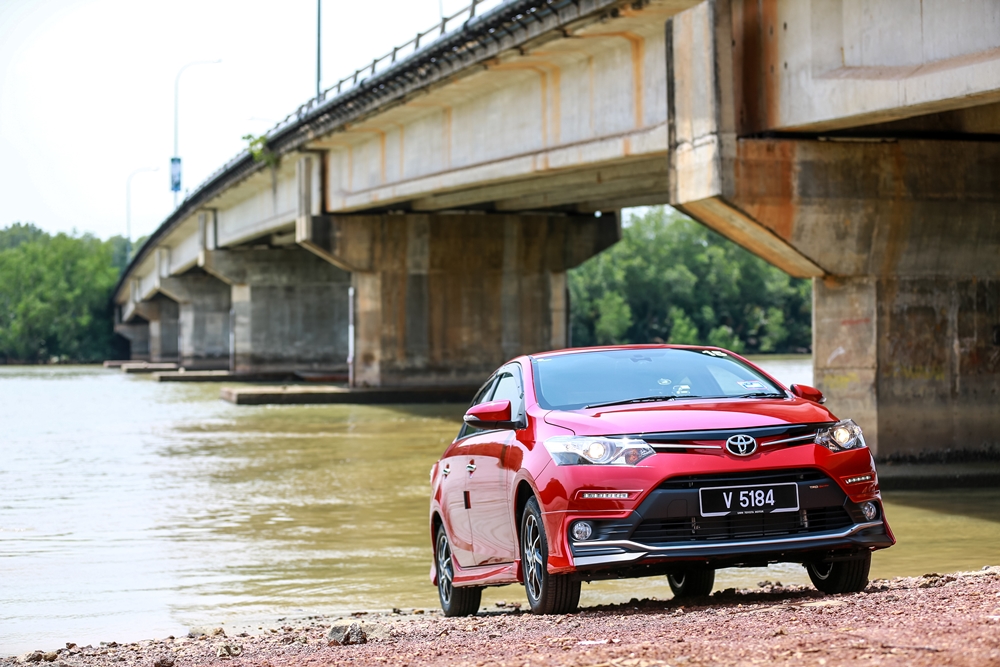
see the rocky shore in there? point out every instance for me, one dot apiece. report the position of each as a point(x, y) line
point(931, 620)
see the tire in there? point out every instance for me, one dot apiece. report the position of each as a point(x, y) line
point(547, 593)
point(455, 601)
point(691, 583)
point(842, 576)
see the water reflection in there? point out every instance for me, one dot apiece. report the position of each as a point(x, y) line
point(132, 509)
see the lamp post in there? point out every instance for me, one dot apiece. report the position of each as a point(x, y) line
point(318, 32)
point(175, 161)
point(128, 207)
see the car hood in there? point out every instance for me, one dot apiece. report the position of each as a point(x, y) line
point(694, 415)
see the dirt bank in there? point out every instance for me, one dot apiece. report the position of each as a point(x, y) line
point(931, 620)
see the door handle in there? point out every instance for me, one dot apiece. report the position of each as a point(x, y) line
point(471, 467)
point(446, 470)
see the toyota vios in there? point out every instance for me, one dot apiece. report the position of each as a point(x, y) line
point(636, 461)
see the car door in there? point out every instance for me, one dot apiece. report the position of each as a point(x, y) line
point(454, 487)
point(490, 507)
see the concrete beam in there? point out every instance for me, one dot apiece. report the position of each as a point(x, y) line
point(822, 65)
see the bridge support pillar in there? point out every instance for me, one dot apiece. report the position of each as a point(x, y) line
point(901, 237)
point(444, 299)
point(289, 309)
point(162, 314)
point(203, 319)
point(902, 240)
point(137, 334)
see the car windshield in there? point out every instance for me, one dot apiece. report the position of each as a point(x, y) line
point(605, 377)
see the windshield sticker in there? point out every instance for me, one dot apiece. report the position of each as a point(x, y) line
point(715, 353)
point(752, 384)
point(663, 381)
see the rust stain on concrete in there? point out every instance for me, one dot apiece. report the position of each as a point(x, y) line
point(765, 183)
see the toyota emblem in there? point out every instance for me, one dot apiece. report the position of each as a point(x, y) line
point(741, 445)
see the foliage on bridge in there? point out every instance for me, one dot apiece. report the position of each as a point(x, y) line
point(673, 280)
point(55, 295)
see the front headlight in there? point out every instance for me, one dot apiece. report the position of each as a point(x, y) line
point(845, 434)
point(581, 450)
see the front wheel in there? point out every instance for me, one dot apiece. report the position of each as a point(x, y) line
point(842, 576)
point(691, 583)
point(462, 601)
point(547, 593)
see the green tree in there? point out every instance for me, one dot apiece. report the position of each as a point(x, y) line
point(55, 295)
point(683, 283)
point(613, 319)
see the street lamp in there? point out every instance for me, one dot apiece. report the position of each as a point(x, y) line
point(128, 208)
point(319, 27)
point(175, 161)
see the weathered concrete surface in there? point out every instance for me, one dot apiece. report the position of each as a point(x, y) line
point(905, 238)
point(289, 308)
point(900, 231)
point(445, 299)
point(137, 334)
point(163, 316)
point(309, 394)
point(819, 65)
point(203, 319)
point(144, 368)
point(925, 476)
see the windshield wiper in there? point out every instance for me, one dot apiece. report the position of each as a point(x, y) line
point(645, 399)
point(760, 394)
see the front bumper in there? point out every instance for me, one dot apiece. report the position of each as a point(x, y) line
point(668, 526)
point(860, 536)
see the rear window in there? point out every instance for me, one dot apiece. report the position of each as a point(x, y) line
point(574, 381)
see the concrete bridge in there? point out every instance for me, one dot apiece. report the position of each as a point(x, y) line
point(417, 222)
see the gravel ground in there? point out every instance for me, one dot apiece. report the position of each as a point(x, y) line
point(931, 620)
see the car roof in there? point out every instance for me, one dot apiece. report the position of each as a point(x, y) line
point(602, 348)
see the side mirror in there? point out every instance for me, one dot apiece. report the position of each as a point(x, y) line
point(808, 393)
point(494, 414)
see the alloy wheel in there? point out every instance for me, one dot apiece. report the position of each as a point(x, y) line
point(534, 564)
point(444, 568)
point(822, 571)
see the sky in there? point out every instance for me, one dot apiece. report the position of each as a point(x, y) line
point(87, 93)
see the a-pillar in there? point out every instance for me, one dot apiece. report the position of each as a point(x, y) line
point(444, 299)
point(203, 318)
point(901, 237)
point(289, 309)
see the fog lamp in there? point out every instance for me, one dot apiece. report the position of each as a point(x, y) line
point(581, 531)
point(869, 510)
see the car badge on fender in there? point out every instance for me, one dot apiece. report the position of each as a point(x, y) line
point(741, 445)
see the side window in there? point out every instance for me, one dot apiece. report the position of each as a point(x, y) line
point(484, 395)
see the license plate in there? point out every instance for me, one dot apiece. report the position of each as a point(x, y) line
point(754, 499)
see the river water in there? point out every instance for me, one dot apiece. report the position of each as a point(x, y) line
point(131, 509)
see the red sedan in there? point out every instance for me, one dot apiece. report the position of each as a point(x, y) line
point(647, 460)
